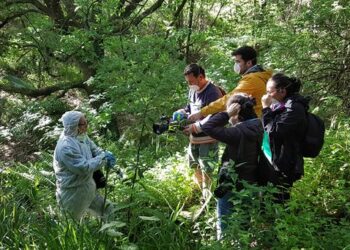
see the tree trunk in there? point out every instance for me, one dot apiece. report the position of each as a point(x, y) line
point(190, 23)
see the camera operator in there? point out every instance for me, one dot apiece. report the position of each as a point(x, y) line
point(202, 148)
point(240, 158)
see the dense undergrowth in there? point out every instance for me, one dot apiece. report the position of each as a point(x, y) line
point(157, 188)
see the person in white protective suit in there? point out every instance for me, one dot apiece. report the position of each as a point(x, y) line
point(76, 157)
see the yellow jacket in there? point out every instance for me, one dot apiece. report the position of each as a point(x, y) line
point(252, 84)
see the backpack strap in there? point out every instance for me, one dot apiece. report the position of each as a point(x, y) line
point(223, 92)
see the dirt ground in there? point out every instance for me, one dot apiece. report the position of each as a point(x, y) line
point(17, 152)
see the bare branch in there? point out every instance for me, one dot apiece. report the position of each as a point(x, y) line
point(130, 8)
point(52, 9)
point(121, 4)
point(13, 2)
point(40, 6)
point(36, 3)
point(41, 91)
point(70, 8)
point(190, 23)
point(217, 15)
point(16, 15)
point(178, 11)
point(147, 12)
point(176, 15)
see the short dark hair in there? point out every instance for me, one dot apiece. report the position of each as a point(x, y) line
point(247, 104)
point(194, 69)
point(247, 53)
point(292, 85)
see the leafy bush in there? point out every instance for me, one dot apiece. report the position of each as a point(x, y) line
point(157, 187)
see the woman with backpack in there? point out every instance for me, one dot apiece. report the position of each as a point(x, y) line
point(284, 121)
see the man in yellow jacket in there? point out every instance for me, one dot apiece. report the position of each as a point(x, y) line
point(253, 82)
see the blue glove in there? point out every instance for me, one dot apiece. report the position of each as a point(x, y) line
point(111, 160)
point(178, 116)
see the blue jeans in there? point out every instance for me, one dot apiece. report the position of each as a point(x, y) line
point(224, 210)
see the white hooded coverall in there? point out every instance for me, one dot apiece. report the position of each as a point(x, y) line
point(74, 162)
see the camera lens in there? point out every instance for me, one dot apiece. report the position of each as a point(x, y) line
point(160, 128)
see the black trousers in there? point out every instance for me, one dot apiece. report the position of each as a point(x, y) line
point(268, 174)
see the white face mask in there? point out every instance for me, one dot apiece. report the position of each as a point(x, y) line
point(194, 87)
point(237, 68)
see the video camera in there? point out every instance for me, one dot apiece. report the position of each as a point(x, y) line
point(169, 124)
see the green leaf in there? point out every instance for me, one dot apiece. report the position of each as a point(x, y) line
point(113, 233)
point(116, 224)
point(149, 218)
point(129, 247)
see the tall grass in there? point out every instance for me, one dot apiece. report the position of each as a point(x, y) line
point(317, 216)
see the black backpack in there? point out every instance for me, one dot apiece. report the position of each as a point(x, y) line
point(314, 136)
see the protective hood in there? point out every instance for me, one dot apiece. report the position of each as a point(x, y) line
point(254, 69)
point(70, 122)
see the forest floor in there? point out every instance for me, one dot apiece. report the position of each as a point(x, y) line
point(14, 151)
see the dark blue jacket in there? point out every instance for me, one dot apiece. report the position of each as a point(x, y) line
point(243, 141)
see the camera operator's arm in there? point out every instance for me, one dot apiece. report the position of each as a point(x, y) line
point(232, 112)
point(215, 127)
point(196, 127)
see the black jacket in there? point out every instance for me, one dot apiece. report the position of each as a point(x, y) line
point(243, 141)
point(286, 128)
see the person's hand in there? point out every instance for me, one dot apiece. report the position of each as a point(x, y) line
point(266, 101)
point(233, 109)
point(195, 117)
point(111, 160)
point(179, 115)
point(187, 130)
